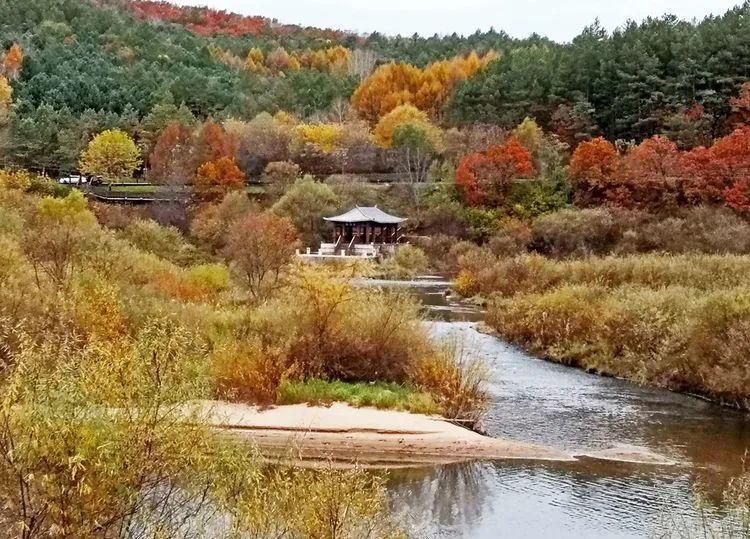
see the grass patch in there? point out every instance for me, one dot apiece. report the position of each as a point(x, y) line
point(381, 395)
point(144, 189)
point(255, 189)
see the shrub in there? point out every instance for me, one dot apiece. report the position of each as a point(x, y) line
point(19, 180)
point(575, 232)
point(164, 241)
point(673, 321)
point(457, 382)
point(407, 262)
point(513, 238)
point(248, 371)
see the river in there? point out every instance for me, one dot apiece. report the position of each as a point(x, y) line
point(537, 401)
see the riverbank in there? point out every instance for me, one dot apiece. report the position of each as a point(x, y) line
point(677, 322)
point(383, 438)
point(365, 435)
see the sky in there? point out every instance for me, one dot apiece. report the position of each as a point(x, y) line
point(560, 20)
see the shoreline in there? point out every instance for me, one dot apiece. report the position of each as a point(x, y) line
point(381, 438)
point(485, 329)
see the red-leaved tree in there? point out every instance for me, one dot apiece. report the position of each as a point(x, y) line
point(594, 166)
point(711, 171)
point(486, 177)
point(650, 176)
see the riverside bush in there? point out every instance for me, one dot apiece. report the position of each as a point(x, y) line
point(677, 337)
point(534, 273)
point(703, 229)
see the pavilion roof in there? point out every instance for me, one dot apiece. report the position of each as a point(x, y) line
point(366, 214)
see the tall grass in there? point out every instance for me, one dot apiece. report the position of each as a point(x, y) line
point(534, 273)
point(680, 322)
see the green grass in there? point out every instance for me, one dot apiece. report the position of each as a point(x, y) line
point(145, 189)
point(255, 189)
point(382, 395)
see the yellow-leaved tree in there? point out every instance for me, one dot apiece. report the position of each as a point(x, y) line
point(427, 89)
point(111, 154)
point(404, 114)
point(324, 136)
point(6, 98)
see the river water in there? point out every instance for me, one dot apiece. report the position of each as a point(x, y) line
point(556, 406)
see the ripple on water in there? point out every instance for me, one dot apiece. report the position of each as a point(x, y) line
point(552, 405)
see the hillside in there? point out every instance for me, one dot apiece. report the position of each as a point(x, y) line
point(108, 64)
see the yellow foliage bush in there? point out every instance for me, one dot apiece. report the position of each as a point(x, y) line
point(19, 180)
point(326, 137)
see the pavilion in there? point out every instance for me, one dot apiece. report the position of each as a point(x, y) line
point(363, 231)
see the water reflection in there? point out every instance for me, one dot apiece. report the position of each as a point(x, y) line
point(552, 405)
point(486, 500)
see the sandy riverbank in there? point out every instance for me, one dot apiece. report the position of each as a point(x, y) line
point(366, 435)
point(373, 437)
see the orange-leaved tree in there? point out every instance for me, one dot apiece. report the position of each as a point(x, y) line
point(427, 89)
point(217, 178)
point(213, 143)
point(593, 166)
point(170, 160)
point(259, 246)
point(651, 176)
point(486, 177)
point(12, 61)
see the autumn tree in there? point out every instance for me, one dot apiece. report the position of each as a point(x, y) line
point(58, 238)
point(211, 224)
point(737, 196)
point(12, 62)
point(262, 140)
point(259, 246)
point(395, 84)
point(112, 155)
point(170, 160)
point(305, 205)
point(486, 177)
point(403, 114)
point(593, 165)
point(215, 179)
point(711, 171)
point(6, 99)
point(213, 143)
point(156, 121)
point(650, 177)
point(278, 176)
point(323, 136)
